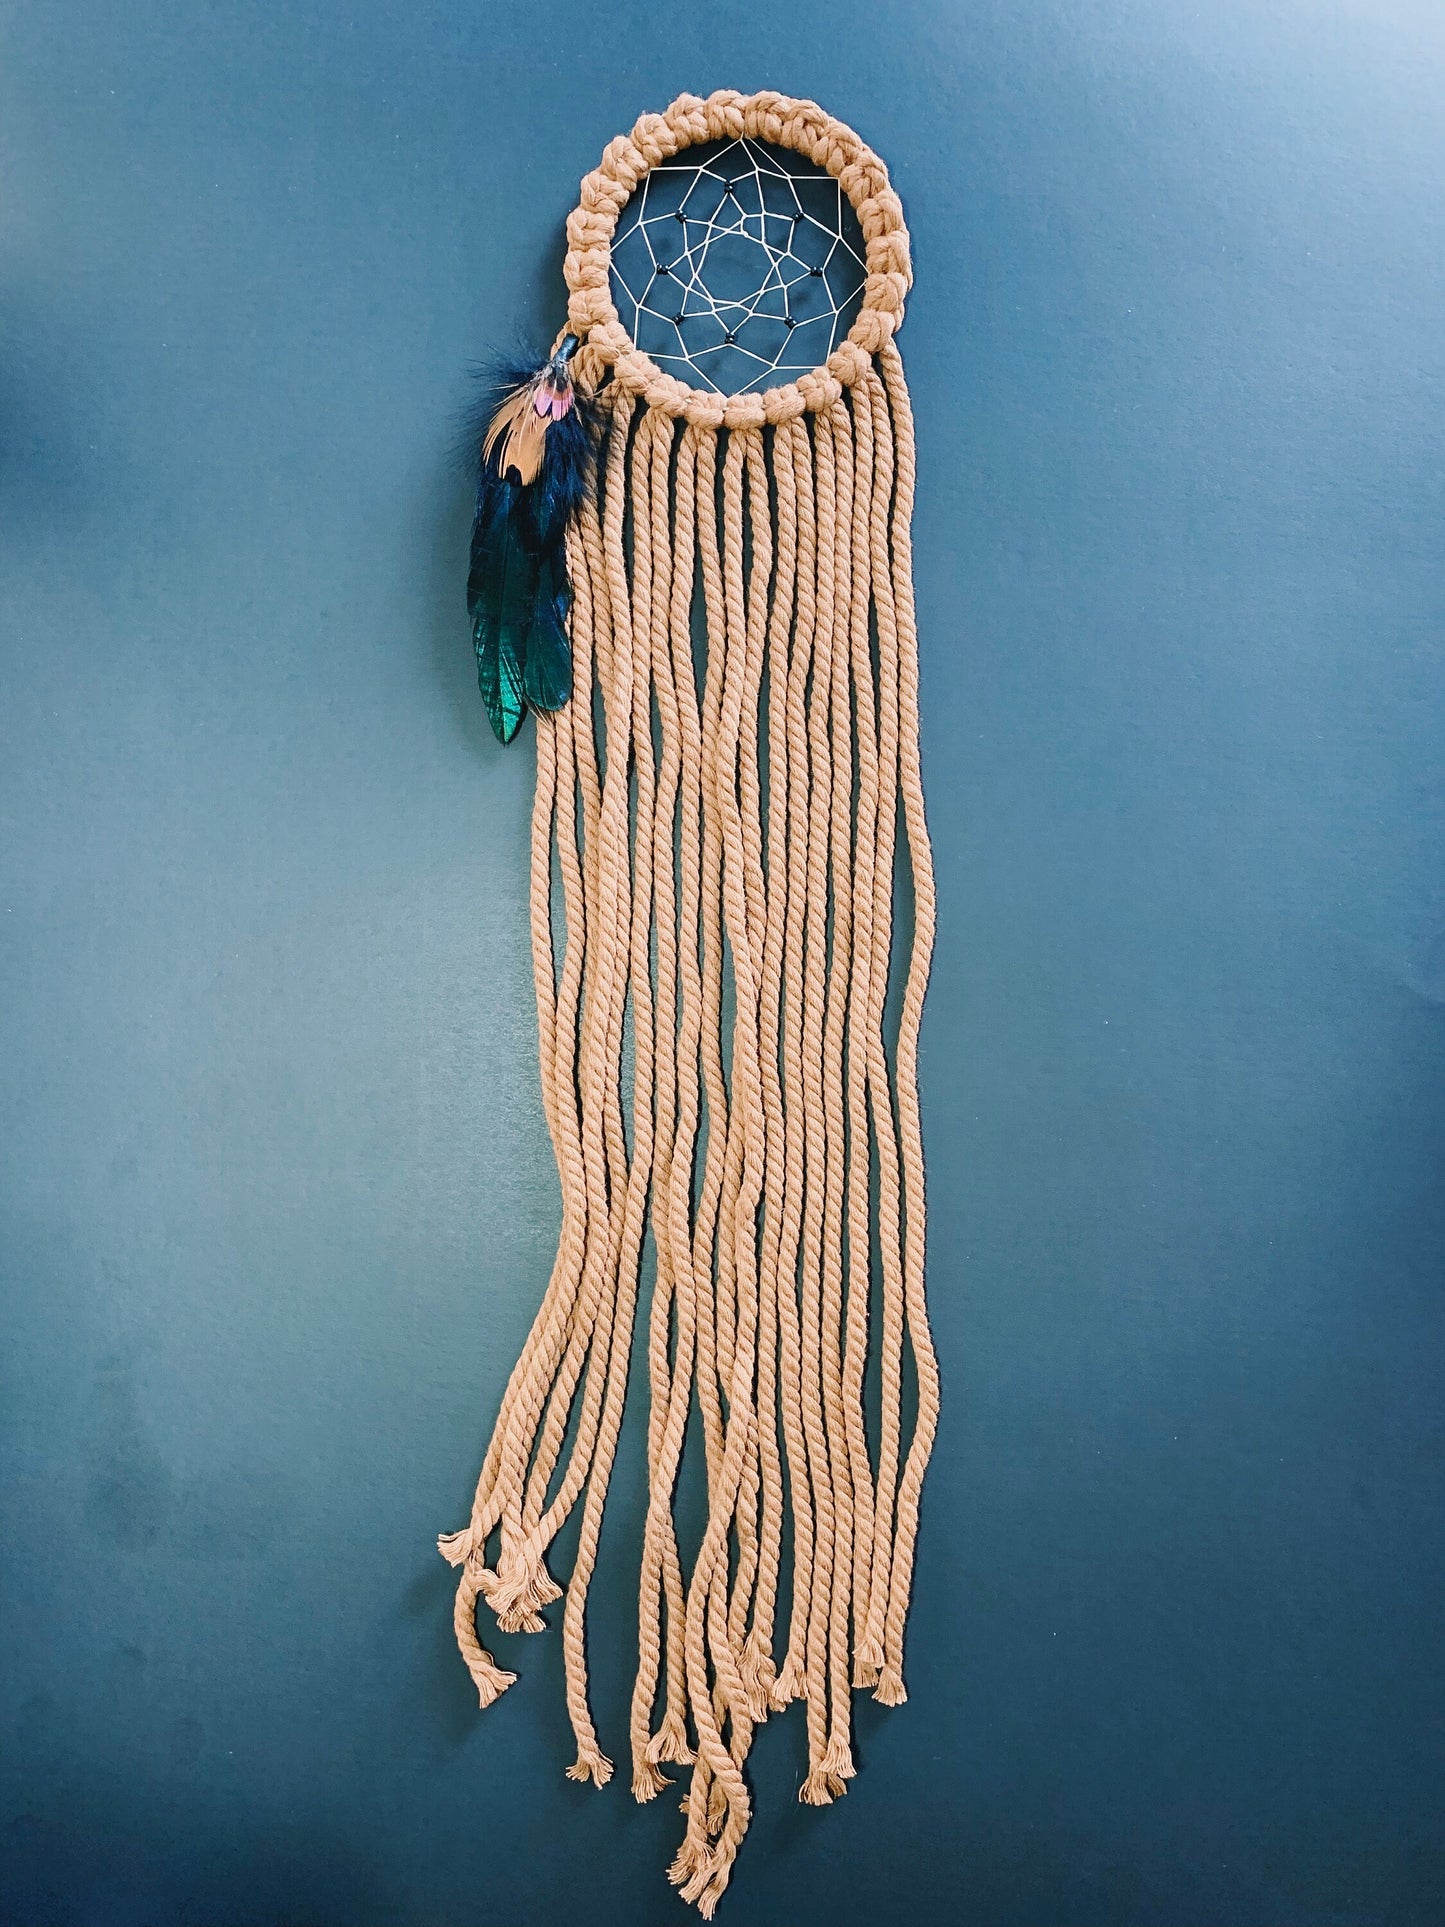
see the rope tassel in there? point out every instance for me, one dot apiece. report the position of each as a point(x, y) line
point(715, 843)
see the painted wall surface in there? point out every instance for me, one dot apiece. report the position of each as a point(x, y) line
point(278, 1201)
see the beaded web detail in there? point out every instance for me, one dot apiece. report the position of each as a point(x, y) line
point(740, 265)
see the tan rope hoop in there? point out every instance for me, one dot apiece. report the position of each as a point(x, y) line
point(800, 125)
point(712, 884)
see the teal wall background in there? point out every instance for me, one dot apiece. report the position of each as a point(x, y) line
point(277, 1197)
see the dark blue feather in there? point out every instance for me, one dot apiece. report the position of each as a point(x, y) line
point(518, 595)
point(565, 477)
point(548, 669)
point(502, 590)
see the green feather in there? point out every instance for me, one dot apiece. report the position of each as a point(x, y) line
point(502, 587)
point(499, 677)
point(549, 653)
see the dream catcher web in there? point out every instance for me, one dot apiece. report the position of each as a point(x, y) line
point(738, 265)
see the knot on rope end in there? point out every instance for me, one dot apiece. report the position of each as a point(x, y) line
point(890, 1690)
point(591, 1765)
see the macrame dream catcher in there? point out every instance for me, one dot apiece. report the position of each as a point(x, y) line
point(691, 561)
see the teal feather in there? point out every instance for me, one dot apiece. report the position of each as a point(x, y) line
point(502, 589)
point(548, 668)
point(534, 467)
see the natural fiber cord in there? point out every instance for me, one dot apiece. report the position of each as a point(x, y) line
point(713, 877)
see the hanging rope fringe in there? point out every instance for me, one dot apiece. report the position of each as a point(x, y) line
point(713, 876)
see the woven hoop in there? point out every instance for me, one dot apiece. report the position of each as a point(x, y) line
point(803, 127)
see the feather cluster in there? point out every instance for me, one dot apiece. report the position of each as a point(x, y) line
point(534, 465)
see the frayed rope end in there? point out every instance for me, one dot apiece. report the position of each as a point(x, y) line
point(647, 1782)
point(490, 1680)
point(890, 1690)
point(518, 1587)
point(669, 1742)
point(691, 1857)
point(517, 1619)
point(822, 1788)
point(708, 1884)
point(759, 1676)
point(791, 1684)
point(592, 1766)
point(870, 1653)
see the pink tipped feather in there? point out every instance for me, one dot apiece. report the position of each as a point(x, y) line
point(522, 421)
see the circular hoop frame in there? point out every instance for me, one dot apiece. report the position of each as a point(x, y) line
point(803, 127)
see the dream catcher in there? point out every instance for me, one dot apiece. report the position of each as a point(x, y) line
point(691, 561)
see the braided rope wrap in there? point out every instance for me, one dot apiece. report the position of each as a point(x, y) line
point(803, 127)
